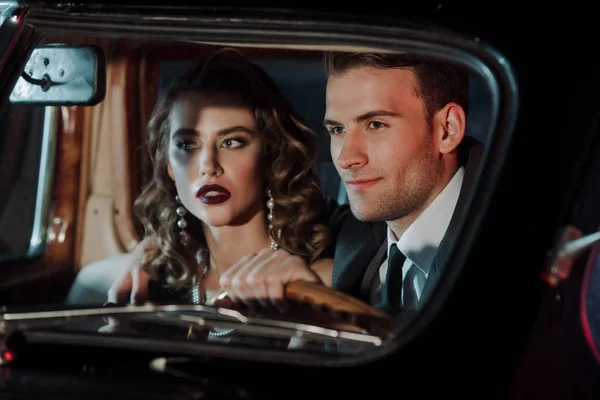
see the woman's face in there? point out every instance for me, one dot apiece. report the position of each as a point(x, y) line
point(215, 156)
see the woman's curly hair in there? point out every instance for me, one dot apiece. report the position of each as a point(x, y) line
point(289, 156)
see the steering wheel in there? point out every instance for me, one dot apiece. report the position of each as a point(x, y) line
point(328, 306)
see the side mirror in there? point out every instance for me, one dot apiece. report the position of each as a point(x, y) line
point(58, 75)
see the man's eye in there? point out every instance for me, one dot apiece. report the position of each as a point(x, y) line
point(376, 125)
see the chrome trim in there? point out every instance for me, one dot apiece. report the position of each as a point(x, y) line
point(7, 9)
point(235, 319)
point(45, 179)
point(128, 309)
point(574, 247)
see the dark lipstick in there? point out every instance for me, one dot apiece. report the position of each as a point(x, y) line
point(213, 194)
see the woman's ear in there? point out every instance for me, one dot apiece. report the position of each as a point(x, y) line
point(170, 172)
point(451, 124)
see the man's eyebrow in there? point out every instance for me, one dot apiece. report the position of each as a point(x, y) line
point(365, 116)
point(222, 132)
point(376, 113)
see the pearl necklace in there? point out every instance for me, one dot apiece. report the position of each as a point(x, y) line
point(199, 297)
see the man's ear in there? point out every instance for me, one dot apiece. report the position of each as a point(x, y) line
point(450, 124)
point(170, 172)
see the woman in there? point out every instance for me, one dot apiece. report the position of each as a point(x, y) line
point(233, 173)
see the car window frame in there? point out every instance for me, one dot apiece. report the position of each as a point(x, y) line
point(296, 31)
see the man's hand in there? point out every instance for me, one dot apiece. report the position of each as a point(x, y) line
point(262, 277)
point(132, 285)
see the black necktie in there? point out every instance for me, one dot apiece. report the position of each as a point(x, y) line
point(392, 289)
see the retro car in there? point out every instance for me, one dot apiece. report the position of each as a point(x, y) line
point(515, 312)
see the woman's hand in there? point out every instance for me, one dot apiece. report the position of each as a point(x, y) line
point(262, 277)
point(132, 285)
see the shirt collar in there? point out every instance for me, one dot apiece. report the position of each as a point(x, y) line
point(420, 241)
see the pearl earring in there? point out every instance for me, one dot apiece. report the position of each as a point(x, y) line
point(182, 223)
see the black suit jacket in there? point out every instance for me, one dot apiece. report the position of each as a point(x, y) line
point(361, 247)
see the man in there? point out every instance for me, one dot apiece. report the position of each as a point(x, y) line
point(397, 126)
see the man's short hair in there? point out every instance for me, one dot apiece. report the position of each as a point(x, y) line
point(440, 82)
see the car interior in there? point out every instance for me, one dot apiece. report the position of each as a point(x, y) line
point(114, 134)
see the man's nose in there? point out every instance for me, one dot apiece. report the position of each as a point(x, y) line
point(353, 151)
point(209, 162)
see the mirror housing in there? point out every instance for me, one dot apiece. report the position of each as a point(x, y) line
point(62, 75)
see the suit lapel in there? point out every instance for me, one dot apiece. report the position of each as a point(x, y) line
point(366, 286)
point(357, 244)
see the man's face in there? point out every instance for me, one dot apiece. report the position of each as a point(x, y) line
point(381, 142)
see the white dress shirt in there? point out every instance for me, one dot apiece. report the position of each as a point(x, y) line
point(420, 241)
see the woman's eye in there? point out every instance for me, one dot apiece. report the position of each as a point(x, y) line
point(232, 143)
point(336, 130)
point(184, 144)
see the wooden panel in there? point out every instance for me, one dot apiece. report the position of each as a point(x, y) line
point(123, 103)
point(88, 120)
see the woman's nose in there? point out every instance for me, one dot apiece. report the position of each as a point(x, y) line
point(209, 163)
